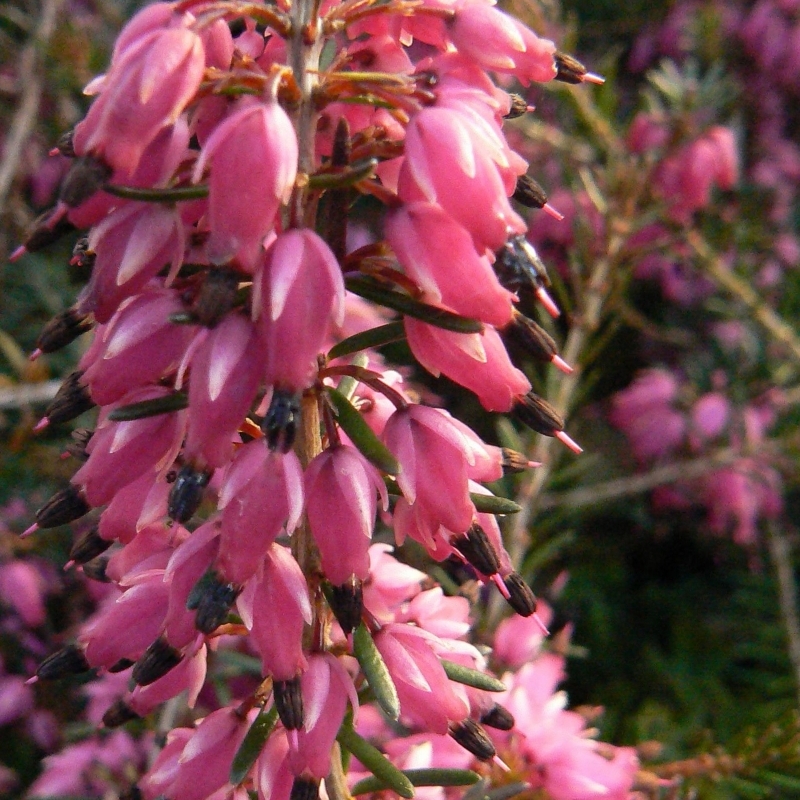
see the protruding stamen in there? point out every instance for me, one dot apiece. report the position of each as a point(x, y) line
point(568, 441)
point(553, 212)
point(549, 304)
point(559, 363)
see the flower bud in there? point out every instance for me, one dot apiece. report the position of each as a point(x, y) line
point(71, 400)
point(118, 714)
point(476, 548)
point(88, 546)
point(156, 662)
point(69, 660)
point(63, 507)
point(520, 597)
point(473, 738)
point(63, 329)
point(289, 702)
point(498, 717)
point(187, 493)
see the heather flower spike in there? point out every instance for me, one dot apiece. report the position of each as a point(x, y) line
point(236, 473)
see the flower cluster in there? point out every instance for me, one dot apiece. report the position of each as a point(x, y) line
point(247, 433)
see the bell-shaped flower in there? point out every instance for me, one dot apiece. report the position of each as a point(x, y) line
point(274, 606)
point(225, 376)
point(121, 452)
point(326, 687)
point(133, 244)
point(204, 764)
point(139, 346)
point(134, 507)
point(272, 777)
point(341, 501)
point(427, 698)
point(433, 464)
point(302, 292)
point(149, 86)
point(447, 163)
point(261, 492)
point(498, 42)
point(477, 361)
point(439, 256)
point(252, 156)
point(390, 583)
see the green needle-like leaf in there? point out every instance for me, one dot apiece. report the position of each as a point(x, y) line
point(421, 777)
point(375, 670)
point(370, 290)
point(176, 401)
point(374, 337)
point(362, 436)
point(375, 762)
point(472, 677)
point(491, 504)
point(252, 745)
point(158, 195)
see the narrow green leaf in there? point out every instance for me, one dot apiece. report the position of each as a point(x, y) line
point(176, 401)
point(358, 171)
point(375, 670)
point(747, 789)
point(362, 436)
point(375, 762)
point(421, 777)
point(786, 783)
point(370, 290)
point(252, 745)
point(158, 195)
point(491, 504)
point(478, 791)
point(472, 677)
point(374, 337)
point(507, 792)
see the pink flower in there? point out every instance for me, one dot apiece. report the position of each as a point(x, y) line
point(476, 361)
point(23, 587)
point(252, 155)
point(438, 254)
point(341, 489)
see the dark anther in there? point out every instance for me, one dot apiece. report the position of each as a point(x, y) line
point(80, 440)
point(518, 265)
point(476, 548)
point(96, 569)
point(473, 738)
point(63, 507)
point(519, 107)
point(44, 232)
point(498, 717)
point(83, 257)
point(63, 329)
point(65, 144)
point(71, 400)
point(520, 598)
point(69, 660)
point(282, 421)
point(532, 338)
point(217, 296)
point(304, 789)
point(514, 462)
point(538, 415)
point(86, 176)
point(212, 597)
point(88, 546)
point(568, 69)
point(118, 714)
point(347, 604)
point(529, 192)
point(121, 665)
point(186, 493)
point(155, 662)
point(289, 702)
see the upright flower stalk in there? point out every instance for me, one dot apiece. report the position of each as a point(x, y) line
point(249, 438)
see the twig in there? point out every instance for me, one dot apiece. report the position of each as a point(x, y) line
point(637, 484)
point(32, 80)
point(27, 394)
point(774, 324)
point(781, 552)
